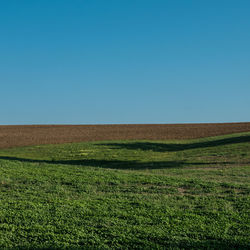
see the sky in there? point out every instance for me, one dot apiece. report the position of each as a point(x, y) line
point(126, 61)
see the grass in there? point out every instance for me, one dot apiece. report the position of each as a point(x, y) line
point(127, 194)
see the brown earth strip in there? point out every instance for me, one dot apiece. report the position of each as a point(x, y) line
point(24, 135)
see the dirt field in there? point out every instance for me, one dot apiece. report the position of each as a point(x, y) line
point(11, 136)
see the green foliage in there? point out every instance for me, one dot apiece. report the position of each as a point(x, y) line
point(127, 194)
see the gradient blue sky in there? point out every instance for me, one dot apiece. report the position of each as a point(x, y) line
point(131, 61)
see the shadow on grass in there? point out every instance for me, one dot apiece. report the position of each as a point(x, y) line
point(212, 244)
point(221, 244)
point(117, 164)
point(170, 147)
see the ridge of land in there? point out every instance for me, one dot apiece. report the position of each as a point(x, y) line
point(27, 135)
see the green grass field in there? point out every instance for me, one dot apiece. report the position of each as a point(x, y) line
point(127, 194)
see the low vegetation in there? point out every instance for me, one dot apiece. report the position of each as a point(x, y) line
point(127, 194)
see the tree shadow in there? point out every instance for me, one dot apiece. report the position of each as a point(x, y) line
point(170, 147)
point(117, 164)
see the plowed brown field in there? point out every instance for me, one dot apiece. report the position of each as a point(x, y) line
point(23, 135)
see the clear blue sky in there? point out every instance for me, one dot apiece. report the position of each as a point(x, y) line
point(126, 61)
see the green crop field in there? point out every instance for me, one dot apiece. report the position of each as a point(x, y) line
point(127, 194)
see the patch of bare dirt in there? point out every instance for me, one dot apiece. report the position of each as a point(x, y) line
point(24, 135)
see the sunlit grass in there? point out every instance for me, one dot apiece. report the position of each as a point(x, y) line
point(127, 194)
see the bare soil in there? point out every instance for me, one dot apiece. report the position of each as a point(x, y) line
point(24, 135)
